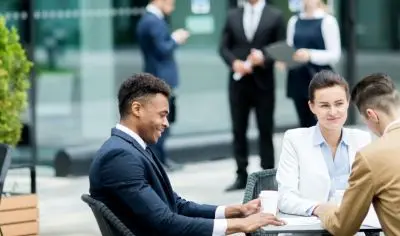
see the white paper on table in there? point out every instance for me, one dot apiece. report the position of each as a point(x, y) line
point(301, 220)
point(372, 219)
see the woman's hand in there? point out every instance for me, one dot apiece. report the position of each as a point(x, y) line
point(302, 55)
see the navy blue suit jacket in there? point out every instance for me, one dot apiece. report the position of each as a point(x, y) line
point(136, 188)
point(157, 47)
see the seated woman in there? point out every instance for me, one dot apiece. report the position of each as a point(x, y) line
point(316, 162)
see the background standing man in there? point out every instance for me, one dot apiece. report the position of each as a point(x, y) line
point(158, 46)
point(251, 80)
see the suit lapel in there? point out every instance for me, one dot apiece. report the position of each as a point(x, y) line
point(261, 25)
point(158, 168)
point(319, 170)
point(319, 156)
point(164, 176)
point(320, 159)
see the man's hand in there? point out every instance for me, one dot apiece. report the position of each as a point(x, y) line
point(256, 221)
point(252, 223)
point(320, 209)
point(180, 36)
point(302, 55)
point(250, 208)
point(240, 67)
point(256, 57)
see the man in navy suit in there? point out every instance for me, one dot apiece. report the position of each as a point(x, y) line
point(157, 46)
point(127, 177)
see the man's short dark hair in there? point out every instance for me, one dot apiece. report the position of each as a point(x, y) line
point(326, 79)
point(375, 91)
point(138, 87)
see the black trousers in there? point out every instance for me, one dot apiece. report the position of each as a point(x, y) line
point(244, 95)
point(306, 117)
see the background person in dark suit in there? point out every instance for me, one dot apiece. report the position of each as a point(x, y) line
point(247, 31)
point(157, 45)
point(127, 177)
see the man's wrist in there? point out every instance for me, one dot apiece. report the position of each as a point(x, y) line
point(234, 211)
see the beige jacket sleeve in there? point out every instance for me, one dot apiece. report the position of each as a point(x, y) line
point(347, 219)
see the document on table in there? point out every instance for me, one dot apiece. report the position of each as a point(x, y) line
point(372, 219)
point(301, 220)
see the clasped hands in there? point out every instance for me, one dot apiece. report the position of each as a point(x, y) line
point(255, 58)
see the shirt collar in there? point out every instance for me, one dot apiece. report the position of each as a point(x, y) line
point(155, 10)
point(134, 135)
point(319, 13)
point(318, 139)
point(259, 6)
point(390, 125)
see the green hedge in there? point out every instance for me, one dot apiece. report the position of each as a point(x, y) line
point(14, 84)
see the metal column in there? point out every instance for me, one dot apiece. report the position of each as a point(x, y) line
point(350, 40)
point(32, 95)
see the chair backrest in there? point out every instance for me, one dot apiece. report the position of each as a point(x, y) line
point(108, 223)
point(256, 182)
point(5, 163)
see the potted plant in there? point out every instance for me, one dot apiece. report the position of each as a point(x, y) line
point(18, 213)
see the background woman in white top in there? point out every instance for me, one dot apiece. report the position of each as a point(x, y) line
point(315, 34)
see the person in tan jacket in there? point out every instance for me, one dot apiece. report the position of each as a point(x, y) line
point(375, 175)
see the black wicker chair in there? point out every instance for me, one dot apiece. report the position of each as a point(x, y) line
point(257, 182)
point(108, 223)
point(5, 163)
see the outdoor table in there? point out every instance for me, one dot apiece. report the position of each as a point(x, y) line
point(309, 229)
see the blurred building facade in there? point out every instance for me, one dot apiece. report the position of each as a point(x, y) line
point(84, 49)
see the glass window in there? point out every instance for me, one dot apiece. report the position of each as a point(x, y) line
point(377, 30)
point(77, 70)
point(85, 49)
point(373, 30)
point(202, 100)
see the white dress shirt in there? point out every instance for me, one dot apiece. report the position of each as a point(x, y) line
point(330, 33)
point(155, 10)
point(220, 223)
point(251, 18)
